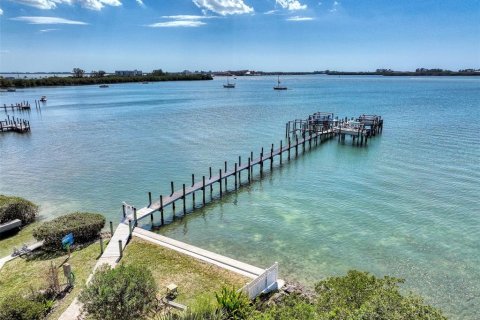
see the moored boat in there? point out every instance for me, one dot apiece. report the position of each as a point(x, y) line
point(229, 85)
point(43, 99)
point(278, 86)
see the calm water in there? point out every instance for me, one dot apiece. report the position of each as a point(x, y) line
point(407, 205)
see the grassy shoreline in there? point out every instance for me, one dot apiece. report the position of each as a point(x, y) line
point(71, 81)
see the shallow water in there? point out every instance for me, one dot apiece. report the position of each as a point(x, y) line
point(407, 205)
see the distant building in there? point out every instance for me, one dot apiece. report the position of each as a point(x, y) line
point(128, 73)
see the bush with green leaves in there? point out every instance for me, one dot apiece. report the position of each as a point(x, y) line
point(360, 295)
point(19, 308)
point(12, 208)
point(126, 292)
point(291, 307)
point(235, 304)
point(84, 226)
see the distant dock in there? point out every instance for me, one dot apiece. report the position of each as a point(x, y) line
point(15, 125)
point(300, 134)
point(22, 106)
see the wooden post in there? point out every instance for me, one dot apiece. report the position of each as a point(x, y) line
point(296, 146)
point(261, 163)
point(248, 169)
point(101, 245)
point(211, 185)
point(161, 209)
point(183, 198)
point(225, 175)
point(235, 176)
point(123, 210)
point(171, 187)
point(220, 181)
point(120, 248)
point(239, 172)
point(149, 199)
point(271, 157)
point(203, 190)
point(111, 228)
point(289, 147)
point(151, 218)
point(193, 179)
point(135, 216)
point(129, 229)
point(193, 199)
point(281, 151)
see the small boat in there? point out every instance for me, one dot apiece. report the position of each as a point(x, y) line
point(229, 85)
point(278, 86)
point(11, 89)
point(103, 86)
point(43, 99)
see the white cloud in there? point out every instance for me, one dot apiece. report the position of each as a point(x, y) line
point(181, 20)
point(52, 4)
point(47, 20)
point(298, 18)
point(187, 17)
point(1, 11)
point(140, 3)
point(291, 4)
point(177, 23)
point(224, 7)
point(47, 30)
point(271, 12)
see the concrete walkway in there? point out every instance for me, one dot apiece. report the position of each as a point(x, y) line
point(224, 262)
point(110, 256)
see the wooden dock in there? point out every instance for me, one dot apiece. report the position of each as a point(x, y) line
point(21, 106)
point(15, 125)
point(300, 134)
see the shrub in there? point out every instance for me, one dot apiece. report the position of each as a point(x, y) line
point(84, 226)
point(12, 208)
point(360, 295)
point(19, 308)
point(291, 307)
point(126, 292)
point(235, 304)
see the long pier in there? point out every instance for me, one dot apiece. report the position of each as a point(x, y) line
point(318, 128)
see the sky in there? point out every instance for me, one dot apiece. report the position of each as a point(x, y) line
point(266, 35)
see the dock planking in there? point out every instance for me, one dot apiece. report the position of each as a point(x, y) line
point(209, 181)
point(318, 128)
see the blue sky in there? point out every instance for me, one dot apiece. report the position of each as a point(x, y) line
point(268, 35)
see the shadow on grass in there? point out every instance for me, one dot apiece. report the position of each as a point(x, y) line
point(49, 254)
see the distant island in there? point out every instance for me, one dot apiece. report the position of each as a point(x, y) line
point(378, 72)
point(78, 77)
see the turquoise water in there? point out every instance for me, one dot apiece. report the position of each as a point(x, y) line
point(407, 205)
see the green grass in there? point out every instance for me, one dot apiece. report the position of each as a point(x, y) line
point(17, 239)
point(19, 275)
point(197, 281)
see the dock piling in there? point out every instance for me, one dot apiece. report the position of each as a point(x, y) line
point(184, 203)
point(161, 210)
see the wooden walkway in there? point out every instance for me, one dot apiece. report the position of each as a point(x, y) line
point(221, 179)
point(15, 125)
point(22, 106)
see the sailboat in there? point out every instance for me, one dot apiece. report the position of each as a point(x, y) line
point(229, 85)
point(278, 86)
